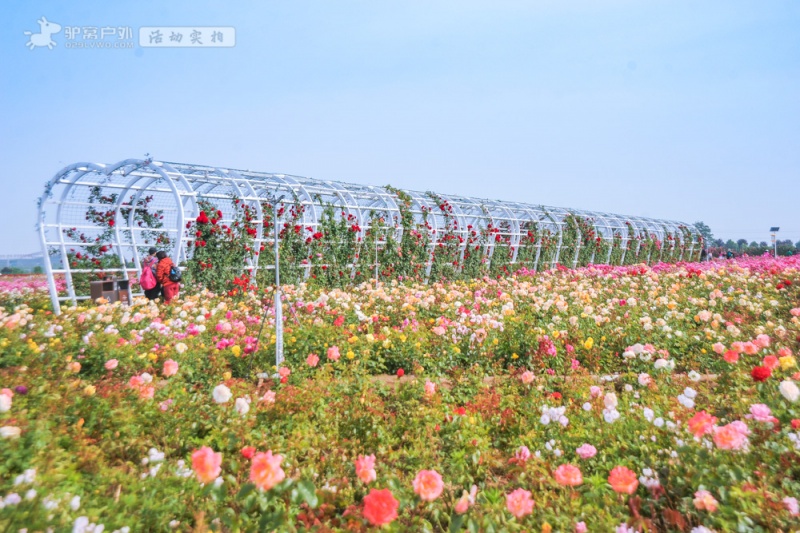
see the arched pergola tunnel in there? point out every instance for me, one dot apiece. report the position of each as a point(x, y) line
point(104, 217)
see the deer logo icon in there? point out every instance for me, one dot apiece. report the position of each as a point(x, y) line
point(43, 38)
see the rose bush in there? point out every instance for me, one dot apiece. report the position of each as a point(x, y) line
point(574, 400)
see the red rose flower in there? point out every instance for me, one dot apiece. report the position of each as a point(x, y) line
point(400, 372)
point(248, 452)
point(761, 373)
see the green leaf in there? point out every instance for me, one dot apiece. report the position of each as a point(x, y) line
point(246, 489)
point(271, 521)
point(456, 521)
point(309, 492)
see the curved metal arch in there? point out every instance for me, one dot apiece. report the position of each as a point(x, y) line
point(186, 184)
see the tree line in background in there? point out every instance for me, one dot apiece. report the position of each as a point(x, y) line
point(742, 246)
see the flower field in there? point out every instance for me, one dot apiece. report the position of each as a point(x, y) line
point(628, 398)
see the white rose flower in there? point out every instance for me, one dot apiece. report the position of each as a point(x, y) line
point(221, 393)
point(10, 432)
point(789, 390)
point(5, 403)
point(242, 406)
point(610, 400)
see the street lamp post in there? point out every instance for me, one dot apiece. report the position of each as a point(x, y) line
point(774, 231)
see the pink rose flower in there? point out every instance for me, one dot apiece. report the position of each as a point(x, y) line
point(586, 451)
point(568, 475)
point(428, 485)
point(760, 413)
point(170, 368)
point(333, 353)
point(762, 341)
point(266, 471)
point(522, 455)
point(730, 437)
point(269, 397)
point(206, 464)
point(365, 468)
point(430, 388)
point(312, 360)
point(111, 364)
point(519, 503)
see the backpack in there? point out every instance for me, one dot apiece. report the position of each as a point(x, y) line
point(147, 280)
point(175, 273)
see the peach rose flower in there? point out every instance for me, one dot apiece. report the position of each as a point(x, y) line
point(206, 464)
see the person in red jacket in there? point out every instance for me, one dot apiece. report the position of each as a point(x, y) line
point(169, 288)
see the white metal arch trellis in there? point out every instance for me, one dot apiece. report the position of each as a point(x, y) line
point(122, 196)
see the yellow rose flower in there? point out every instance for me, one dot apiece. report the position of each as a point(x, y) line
point(588, 343)
point(787, 361)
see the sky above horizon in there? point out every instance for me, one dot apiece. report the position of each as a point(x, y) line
point(669, 109)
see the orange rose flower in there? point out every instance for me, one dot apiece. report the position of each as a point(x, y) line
point(266, 471)
point(701, 423)
point(206, 464)
point(623, 480)
point(380, 507)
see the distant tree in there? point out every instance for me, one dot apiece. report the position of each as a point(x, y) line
point(797, 245)
point(719, 243)
point(37, 269)
point(754, 244)
point(763, 244)
point(730, 245)
point(741, 243)
point(705, 231)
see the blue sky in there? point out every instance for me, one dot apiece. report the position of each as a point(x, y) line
point(681, 110)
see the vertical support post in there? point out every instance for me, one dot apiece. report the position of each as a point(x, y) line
point(278, 304)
